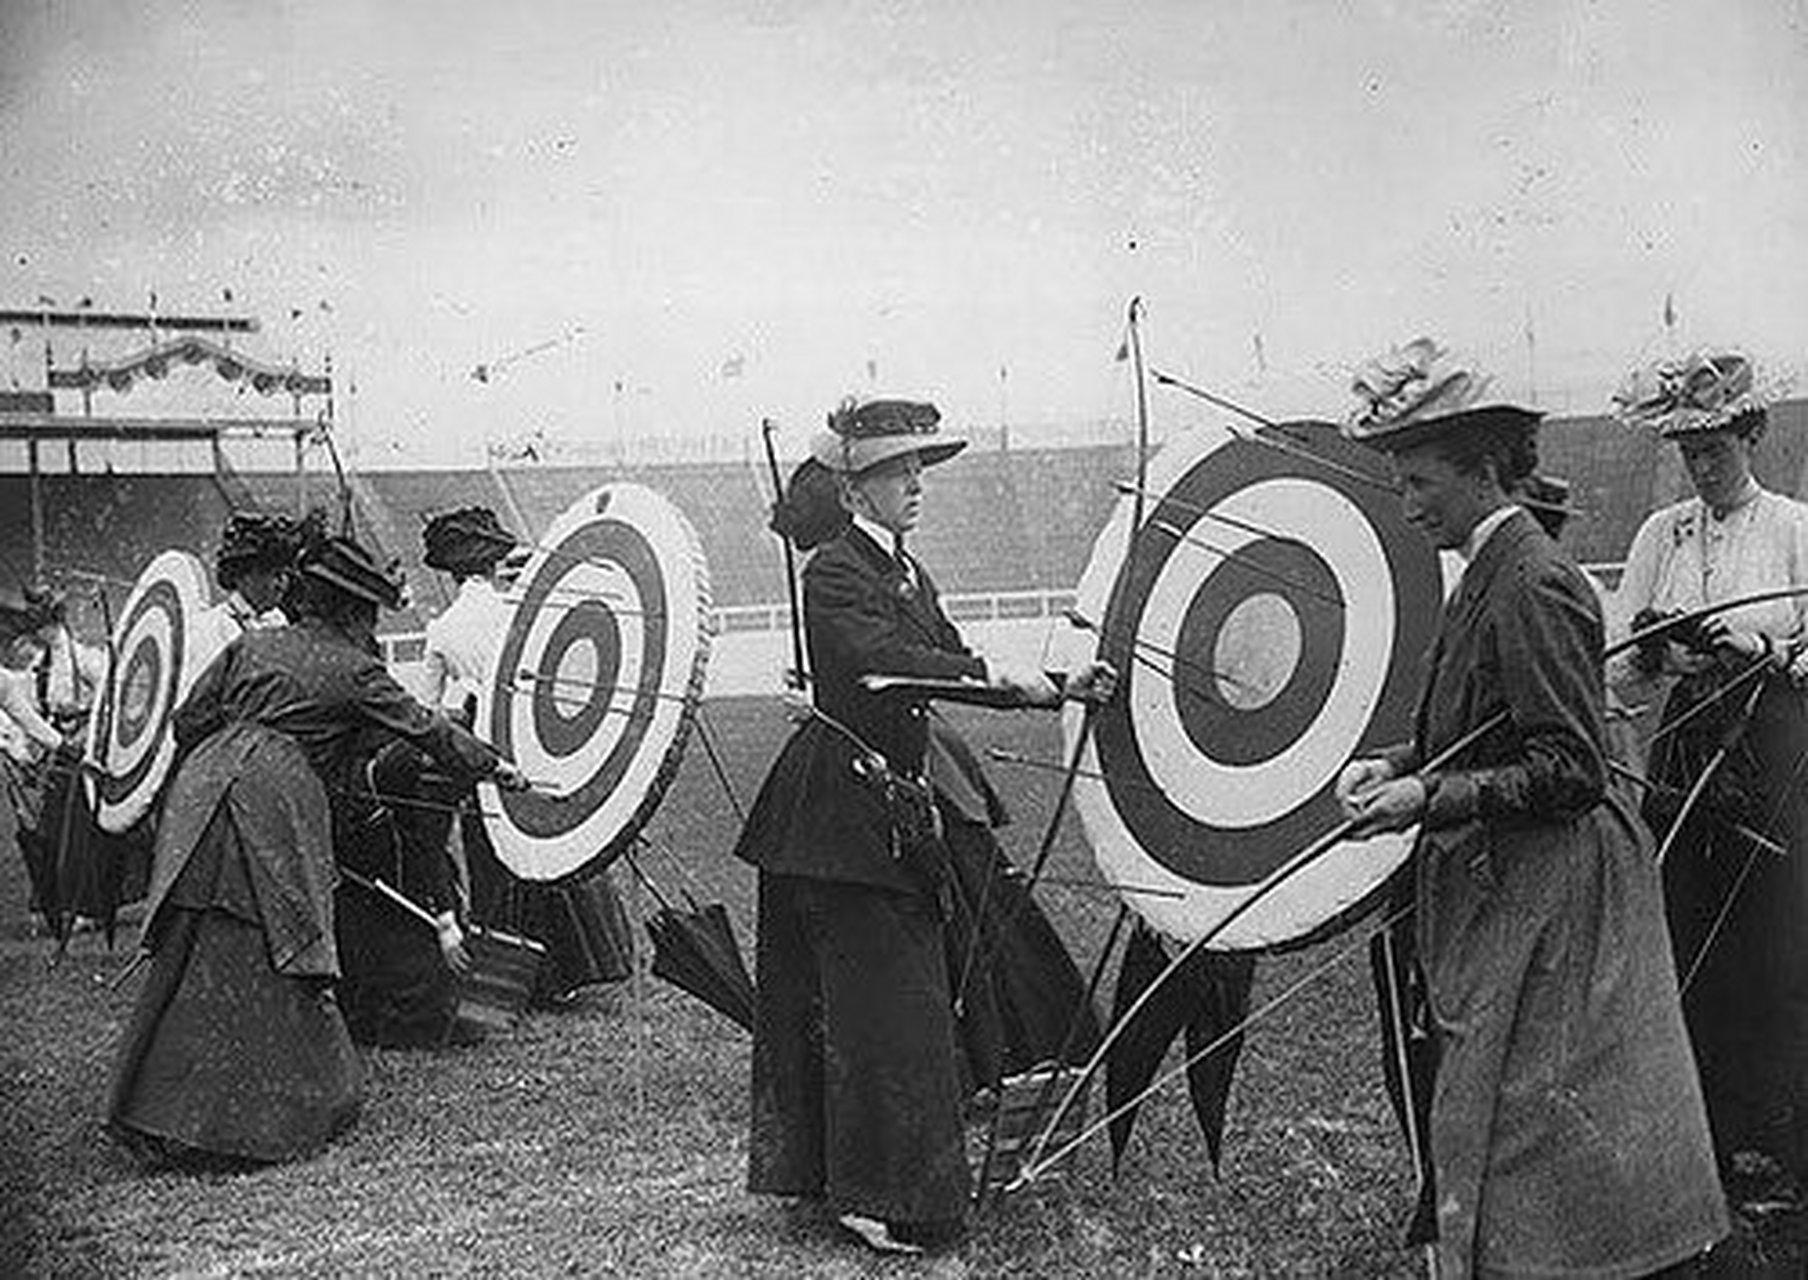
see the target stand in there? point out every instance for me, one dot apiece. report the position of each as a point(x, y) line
point(596, 682)
point(1269, 620)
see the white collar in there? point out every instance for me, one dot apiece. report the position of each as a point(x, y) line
point(887, 540)
point(1484, 529)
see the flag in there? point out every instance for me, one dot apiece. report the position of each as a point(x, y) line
point(733, 367)
point(1123, 352)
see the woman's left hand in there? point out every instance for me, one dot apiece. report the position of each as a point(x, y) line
point(1731, 640)
point(452, 944)
point(1393, 805)
point(509, 778)
point(1094, 682)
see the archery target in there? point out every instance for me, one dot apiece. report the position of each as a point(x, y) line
point(160, 644)
point(596, 681)
point(1268, 626)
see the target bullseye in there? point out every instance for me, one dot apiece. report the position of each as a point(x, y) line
point(1294, 604)
point(160, 644)
point(597, 680)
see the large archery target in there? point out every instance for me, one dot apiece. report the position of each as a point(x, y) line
point(597, 680)
point(1269, 625)
point(160, 645)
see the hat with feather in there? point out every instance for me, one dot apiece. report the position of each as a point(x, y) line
point(253, 541)
point(1706, 390)
point(340, 562)
point(1420, 391)
point(864, 433)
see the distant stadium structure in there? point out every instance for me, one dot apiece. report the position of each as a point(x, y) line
point(85, 499)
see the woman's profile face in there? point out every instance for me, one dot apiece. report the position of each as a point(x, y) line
point(1719, 465)
point(891, 494)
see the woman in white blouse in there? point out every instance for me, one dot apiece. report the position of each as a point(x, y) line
point(582, 924)
point(1729, 760)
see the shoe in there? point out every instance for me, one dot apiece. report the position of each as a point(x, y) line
point(937, 1235)
point(876, 1235)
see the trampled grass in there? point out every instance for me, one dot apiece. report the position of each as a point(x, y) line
point(609, 1138)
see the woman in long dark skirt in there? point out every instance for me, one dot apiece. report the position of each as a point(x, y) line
point(856, 1080)
point(236, 1048)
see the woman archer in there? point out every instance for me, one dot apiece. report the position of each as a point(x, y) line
point(856, 1082)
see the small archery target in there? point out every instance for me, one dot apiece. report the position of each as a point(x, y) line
point(160, 644)
point(1268, 625)
point(596, 681)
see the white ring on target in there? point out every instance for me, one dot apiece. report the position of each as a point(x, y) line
point(558, 577)
point(152, 625)
point(152, 753)
point(609, 587)
point(1186, 909)
point(1222, 795)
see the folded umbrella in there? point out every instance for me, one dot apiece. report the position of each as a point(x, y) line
point(695, 950)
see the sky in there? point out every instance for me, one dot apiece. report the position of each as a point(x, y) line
point(674, 219)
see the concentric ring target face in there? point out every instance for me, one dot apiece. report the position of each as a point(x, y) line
point(597, 680)
point(160, 645)
point(1269, 625)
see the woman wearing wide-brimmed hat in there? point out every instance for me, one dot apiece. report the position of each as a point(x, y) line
point(857, 1090)
point(1567, 1130)
point(1735, 730)
point(236, 1048)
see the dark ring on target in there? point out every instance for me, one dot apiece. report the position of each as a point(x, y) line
point(596, 685)
point(1252, 556)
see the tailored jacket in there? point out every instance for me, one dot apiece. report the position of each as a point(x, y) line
point(276, 731)
point(816, 816)
point(1568, 1132)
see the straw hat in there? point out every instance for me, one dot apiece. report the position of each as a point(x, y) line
point(1706, 390)
point(864, 433)
point(1414, 393)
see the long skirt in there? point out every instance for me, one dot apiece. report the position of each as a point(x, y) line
point(1020, 1000)
point(1738, 914)
point(581, 923)
point(223, 1055)
point(856, 1087)
point(398, 990)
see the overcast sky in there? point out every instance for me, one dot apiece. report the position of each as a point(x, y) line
point(963, 196)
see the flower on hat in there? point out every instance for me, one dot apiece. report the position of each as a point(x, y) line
point(1411, 384)
point(864, 433)
point(1702, 391)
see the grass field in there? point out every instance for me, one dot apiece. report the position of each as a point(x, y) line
point(609, 1139)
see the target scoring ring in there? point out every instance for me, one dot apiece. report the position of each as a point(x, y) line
point(1207, 788)
point(596, 680)
point(160, 644)
point(1295, 613)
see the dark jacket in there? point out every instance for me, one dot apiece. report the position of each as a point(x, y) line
point(274, 708)
point(1567, 1127)
point(816, 816)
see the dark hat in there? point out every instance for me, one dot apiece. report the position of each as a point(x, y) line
point(15, 620)
point(468, 539)
point(342, 564)
point(45, 605)
point(864, 433)
point(253, 540)
point(1419, 392)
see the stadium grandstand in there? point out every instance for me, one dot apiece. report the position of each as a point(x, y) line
point(1007, 532)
